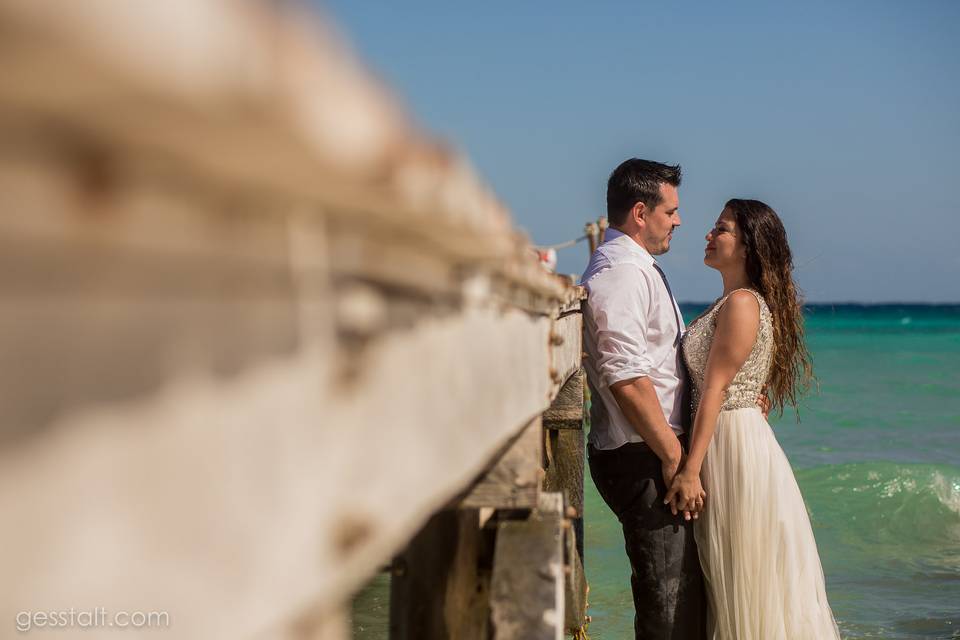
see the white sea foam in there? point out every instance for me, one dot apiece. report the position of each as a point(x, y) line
point(947, 491)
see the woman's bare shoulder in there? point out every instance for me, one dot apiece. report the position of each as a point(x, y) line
point(741, 309)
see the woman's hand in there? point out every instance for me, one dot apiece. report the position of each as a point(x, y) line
point(686, 494)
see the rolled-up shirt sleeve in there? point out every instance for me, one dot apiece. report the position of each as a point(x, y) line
point(619, 300)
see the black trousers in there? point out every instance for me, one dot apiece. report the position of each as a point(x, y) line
point(668, 589)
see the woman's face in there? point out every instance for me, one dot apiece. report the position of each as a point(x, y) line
point(725, 246)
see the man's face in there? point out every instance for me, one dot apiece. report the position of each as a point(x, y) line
point(660, 221)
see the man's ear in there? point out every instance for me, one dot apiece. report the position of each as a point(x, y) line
point(638, 212)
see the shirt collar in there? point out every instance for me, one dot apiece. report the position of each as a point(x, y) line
point(621, 239)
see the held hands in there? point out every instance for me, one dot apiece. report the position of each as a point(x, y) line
point(685, 494)
point(669, 468)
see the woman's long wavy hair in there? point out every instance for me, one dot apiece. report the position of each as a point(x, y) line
point(770, 269)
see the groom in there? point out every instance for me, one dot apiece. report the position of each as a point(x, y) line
point(632, 330)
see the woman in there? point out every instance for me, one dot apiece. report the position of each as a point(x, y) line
point(756, 546)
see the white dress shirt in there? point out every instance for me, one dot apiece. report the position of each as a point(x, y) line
point(630, 326)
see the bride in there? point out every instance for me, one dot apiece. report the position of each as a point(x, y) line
point(756, 546)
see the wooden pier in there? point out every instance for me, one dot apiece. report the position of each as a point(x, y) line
point(262, 337)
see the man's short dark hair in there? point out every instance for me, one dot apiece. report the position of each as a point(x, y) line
point(636, 181)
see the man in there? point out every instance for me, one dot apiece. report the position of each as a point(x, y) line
point(632, 330)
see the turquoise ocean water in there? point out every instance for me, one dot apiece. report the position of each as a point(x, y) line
point(877, 456)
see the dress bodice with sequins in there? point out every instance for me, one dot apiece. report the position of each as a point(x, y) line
point(748, 383)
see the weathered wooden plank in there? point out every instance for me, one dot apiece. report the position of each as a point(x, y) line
point(331, 627)
point(255, 346)
point(527, 592)
point(551, 503)
point(310, 625)
point(171, 338)
point(575, 583)
point(263, 114)
point(191, 363)
point(254, 491)
point(566, 411)
point(515, 479)
point(564, 473)
point(441, 581)
point(564, 444)
point(566, 353)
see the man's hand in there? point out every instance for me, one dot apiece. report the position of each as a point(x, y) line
point(669, 468)
point(686, 494)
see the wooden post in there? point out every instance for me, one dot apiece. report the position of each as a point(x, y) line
point(566, 411)
point(575, 585)
point(527, 591)
point(602, 225)
point(563, 423)
point(563, 428)
point(440, 583)
point(591, 231)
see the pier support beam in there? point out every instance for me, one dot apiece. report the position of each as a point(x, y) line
point(564, 449)
point(564, 459)
point(527, 591)
point(440, 583)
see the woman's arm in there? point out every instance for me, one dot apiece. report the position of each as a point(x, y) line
point(738, 322)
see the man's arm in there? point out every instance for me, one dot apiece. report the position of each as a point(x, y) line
point(619, 303)
point(638, 401)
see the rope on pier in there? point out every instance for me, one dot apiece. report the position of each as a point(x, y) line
point(562, 245)
point(593, 232)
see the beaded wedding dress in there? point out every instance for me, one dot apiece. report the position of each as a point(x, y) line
point(759, 557)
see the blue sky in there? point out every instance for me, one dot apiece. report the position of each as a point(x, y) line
point(843, 116)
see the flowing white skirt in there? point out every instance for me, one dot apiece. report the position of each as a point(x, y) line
point(759, 556)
